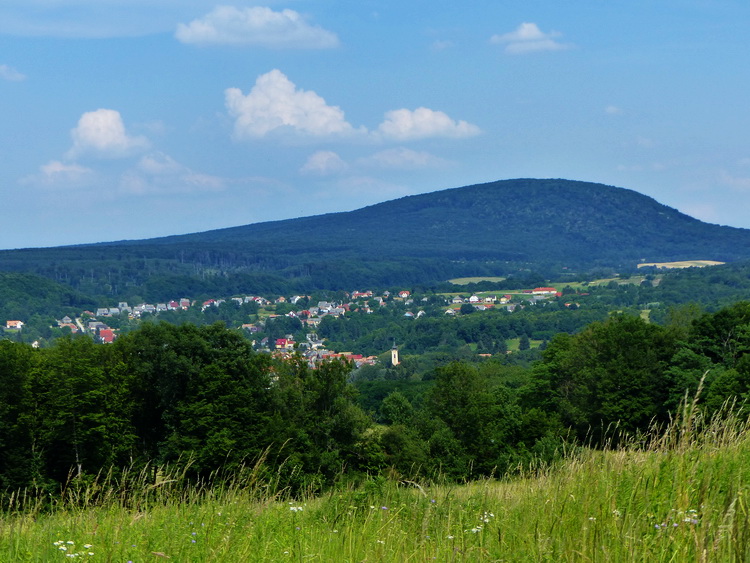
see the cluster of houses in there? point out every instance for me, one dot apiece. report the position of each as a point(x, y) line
point(94, 322)
point(91, 321)
point(314, 351)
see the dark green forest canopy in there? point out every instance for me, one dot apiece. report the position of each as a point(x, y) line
point(497, 228)
point(201, 398)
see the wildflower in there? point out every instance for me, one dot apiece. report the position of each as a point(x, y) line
point(592, 519)
point(295, 508)
point(486, 517)
point(381, 542)
point(383, 508)
point(450, 537)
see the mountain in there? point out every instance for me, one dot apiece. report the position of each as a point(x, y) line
point(494, 228)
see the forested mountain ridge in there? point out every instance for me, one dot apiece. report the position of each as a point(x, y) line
point(527, 219)
point(486, 229)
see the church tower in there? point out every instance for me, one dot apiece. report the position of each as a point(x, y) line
point(394, 355)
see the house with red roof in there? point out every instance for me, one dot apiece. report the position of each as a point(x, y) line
point(106, 335)
point(284, 344)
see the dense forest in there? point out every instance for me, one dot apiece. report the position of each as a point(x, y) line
point(201, 398)
point(495, 229)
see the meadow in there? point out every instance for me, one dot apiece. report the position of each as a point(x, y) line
point(681, 495)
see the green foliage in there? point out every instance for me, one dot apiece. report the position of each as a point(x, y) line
point(27, 295)
point(484, 421)
point(682, 498)
point(16, 462)
point(612, 373)
point(469, 231)
point(202, 400)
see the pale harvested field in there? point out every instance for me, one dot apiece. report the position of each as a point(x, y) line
point(682, 264)
point(464, 281)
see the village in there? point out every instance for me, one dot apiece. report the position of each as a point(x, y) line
point(98, 323)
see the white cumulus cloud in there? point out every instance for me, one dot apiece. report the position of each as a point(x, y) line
point(404, 124)
point(102, 133)
point(11, 74)
point(275, 102)
point(256, 26)
point(528, 38)
point(323, 163)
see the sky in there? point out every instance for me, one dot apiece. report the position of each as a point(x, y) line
point(131, 119)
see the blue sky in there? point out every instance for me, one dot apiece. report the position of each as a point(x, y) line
point(127, 119)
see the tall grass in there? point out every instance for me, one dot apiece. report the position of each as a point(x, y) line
point(681, 495)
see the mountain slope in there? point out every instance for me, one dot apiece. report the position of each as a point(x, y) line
point(495, 227)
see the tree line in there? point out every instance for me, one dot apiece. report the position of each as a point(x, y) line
point(202, 398)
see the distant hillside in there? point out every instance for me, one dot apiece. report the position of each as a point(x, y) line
point(24, 295)
point(487, 229)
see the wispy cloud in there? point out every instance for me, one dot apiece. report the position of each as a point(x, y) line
point(441, 45)
point(159, 174)
point(257, 26)
point(59, 175)
point(11, 74)
point(737, 183)
point(403, 158)
point(528, 38)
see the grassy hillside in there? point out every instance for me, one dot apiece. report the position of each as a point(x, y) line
point(682, 497)
point(483, 230)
